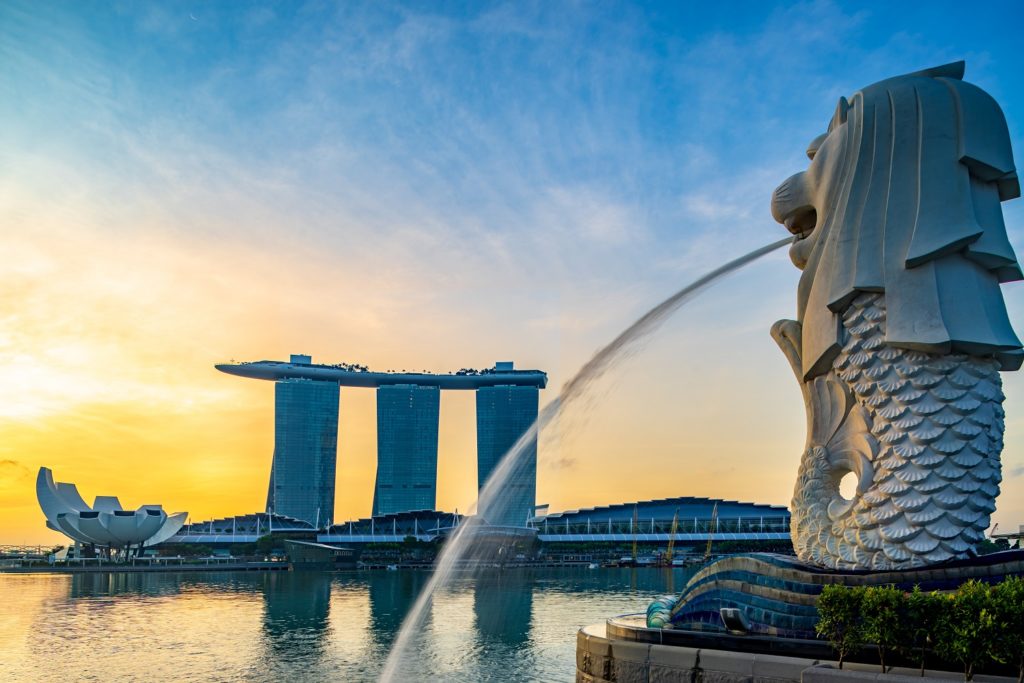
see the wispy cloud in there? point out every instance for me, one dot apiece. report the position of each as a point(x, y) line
point(560, 464)
point(14, 478)
point(411, 185)
point(12, 468)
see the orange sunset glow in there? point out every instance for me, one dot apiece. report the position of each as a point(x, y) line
point(171, 205)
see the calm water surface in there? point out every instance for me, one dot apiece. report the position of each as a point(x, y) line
point(513, 625)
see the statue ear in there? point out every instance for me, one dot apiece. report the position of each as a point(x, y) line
point(842, 108)
point(814, 145)
point(839, 117)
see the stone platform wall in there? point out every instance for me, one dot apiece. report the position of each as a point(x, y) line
point(778, 594)
point(600, 659)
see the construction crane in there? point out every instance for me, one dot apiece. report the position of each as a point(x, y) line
point(711, 531)
point(672, 538)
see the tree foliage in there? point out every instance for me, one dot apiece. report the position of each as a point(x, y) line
point(840, 618)
point(971, 629)
point(925, 617)
point(987, 546)
point(269, 543)
point(1008, 605)
point(974, 625)
point(883, 611)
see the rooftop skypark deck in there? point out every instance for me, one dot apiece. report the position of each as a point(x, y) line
point(347, 375)
point(306, 409)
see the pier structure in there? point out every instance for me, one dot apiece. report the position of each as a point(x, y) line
point(307, 404)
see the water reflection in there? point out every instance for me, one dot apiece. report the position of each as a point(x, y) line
point(295, 614)
point(104, 584)
point(501, 625)
point(391, 596)
point(502, 607)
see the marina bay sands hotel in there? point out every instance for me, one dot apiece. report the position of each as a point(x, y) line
point(306, 398)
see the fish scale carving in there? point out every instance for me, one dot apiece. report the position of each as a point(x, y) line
point(922, 431)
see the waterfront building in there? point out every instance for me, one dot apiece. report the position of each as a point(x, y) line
point(648, 521)
point(319, 557)
point(695, 520)
point(503, 414)
point(305, 450)
point(408, 407)
point(104, 524)
point(242, 529)
point(423, 525)
point(407, 419)
point(605, 532)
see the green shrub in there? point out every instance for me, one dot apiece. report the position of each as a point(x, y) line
point(1008, 605)
point(269, 543)
point(883, 610)
point(987, 546)
point(925, 617)
point(197, 550)
point(973, 626)
point(840, 618)
point(971, 631)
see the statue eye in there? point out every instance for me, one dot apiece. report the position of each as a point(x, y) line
point(815, 145)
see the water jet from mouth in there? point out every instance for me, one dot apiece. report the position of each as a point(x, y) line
point(461, 544)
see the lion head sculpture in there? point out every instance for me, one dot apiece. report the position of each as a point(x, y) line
point(902, 196)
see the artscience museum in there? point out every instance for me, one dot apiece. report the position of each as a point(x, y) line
point(104, 524)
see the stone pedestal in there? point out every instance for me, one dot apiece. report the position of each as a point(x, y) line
point(777, 594)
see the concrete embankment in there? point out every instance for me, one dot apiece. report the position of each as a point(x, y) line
point(602, 658)
point(140, 568)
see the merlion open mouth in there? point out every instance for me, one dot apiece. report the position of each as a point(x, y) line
point(802, 221)
point(793, 205)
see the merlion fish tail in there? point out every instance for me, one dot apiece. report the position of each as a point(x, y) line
point(922, 434)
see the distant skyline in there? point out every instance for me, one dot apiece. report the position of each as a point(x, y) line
point(425, 186)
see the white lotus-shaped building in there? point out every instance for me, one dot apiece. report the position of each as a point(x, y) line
point(105, 524)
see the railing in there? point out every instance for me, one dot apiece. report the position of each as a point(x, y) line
point(356, 367)
point(17, 551)
point(734, 525)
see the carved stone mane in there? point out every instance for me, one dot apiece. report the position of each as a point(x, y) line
point(907, 185)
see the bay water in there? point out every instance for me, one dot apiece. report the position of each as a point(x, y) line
point(491, 625)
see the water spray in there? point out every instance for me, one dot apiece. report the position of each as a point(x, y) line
point(460, 543)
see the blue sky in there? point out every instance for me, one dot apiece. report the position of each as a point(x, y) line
point(431, 185)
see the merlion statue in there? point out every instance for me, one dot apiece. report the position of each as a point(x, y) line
point(902, 329)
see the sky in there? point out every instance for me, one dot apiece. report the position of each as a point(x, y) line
point(424, 186)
